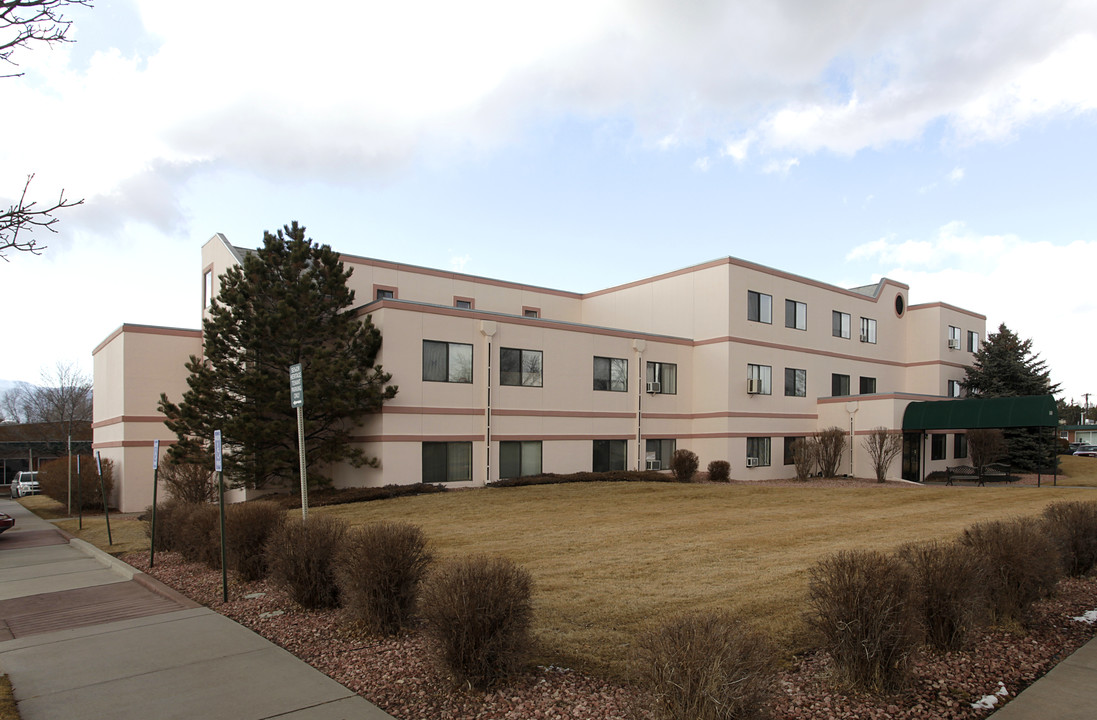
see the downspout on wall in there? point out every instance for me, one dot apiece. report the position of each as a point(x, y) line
point(488, 328)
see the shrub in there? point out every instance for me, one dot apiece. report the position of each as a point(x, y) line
point(167, 522)
point(706, 666)
point(1020, 561)
point(882, 446)
point(188, 482)
point(830, 446)
point(53, 480)
point(477, 611)
point(248, 526)
point(300, 556)
point(948, 591)
point(985, 445)
point(195, 533)
point(379, 569)
point(684, 464)
point(860, 605)
point(805, 455)
point(584, 477)
point(719, 471)
point(1073, 527)
point(341, 496)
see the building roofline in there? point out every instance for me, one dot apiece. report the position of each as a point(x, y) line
point(146, 330)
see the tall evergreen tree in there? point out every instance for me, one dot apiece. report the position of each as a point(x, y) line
point(1005, 366)
point(287, 303)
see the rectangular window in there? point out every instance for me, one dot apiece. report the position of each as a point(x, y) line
point(462, 303)
point(447, 362)
point(759, 379)
point(759, 307)
point(531, 312)
point(662, 378)
point(839, 385)
point(520, 367)
point(447, 462)
point(757, 452)
point(611, 374)
point(937, 447)
point(972, 341)
point(954, 388)
point(959, 446)
point(207, 288)
point(868, 330)
point(796, 382)
point(868, 385)
point(839, 324)
point(519, 459)
point(789, 458)
point(383, 294)
point(609, 455)
point(659, 453)
point(796, 315)
point(953, 338)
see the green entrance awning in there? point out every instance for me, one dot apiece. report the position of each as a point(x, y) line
point(1029, 411)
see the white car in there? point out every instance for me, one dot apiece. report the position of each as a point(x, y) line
point(25, 483)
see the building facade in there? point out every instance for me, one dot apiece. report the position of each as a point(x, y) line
point(730, 359)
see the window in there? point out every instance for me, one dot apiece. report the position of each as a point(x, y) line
point(462, 303)
point(207, 288)
point(447, 362)
point(611, 374)
point(868, 330)
point(839, 385)
point(383, 294)
point(796, 315)
point(666, 377)
point(868, 385)
point(790, 458)
point(759, 307)
point(839, 324)
point(954, 388)
point(609, 455)
point(972, 341)
point(447, 462)
point(659, 453)
point(937, 447)
point(953, 338)
point(760, 379)
point(758, 451)
point(531, 312)
point(519, 459)
point(520, 367)
point(959, 446)
point(796, 382)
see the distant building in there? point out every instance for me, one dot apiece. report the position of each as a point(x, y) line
point(730, 359)
point(25, 446)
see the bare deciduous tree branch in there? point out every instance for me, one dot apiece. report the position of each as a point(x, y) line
point(27, 22)
point(26, 217)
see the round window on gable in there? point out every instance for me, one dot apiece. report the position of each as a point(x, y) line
point(900, 305)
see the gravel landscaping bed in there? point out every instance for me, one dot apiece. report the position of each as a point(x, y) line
point(398, 675)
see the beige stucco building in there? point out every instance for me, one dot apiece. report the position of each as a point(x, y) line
point(730, 359)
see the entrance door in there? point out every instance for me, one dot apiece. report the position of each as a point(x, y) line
point(912, 456)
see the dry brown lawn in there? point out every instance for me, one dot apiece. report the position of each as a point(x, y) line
point(609, 559)
point(1078, 471)
point(8, 711)
point(126, 530)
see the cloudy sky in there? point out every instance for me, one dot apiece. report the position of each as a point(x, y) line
point(948, 144)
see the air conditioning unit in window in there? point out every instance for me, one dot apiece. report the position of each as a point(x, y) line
point(953, 344)
point(864, 337)
point(654, 465)
point(752, 462)
point(654, 387)
point(754, 386)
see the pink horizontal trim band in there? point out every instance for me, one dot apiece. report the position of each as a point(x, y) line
point(564, 413)
point(147, 330)
point(412, 410)
point(128, 419)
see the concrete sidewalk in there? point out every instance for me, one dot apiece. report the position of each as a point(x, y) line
point(85, 635)
point(1068, 692)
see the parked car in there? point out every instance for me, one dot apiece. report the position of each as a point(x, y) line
point(7, 522)
point(25, 483)
point(1086, 451)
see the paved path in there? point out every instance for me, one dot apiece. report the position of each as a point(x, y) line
point(85, 635)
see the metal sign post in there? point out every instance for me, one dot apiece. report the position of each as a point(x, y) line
point(297, 400)
point(103, 494)
point(221, 493)
point(79, 493)
point(155, 473)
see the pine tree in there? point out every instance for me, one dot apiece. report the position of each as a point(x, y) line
point(1005, 366)
point(287, 303)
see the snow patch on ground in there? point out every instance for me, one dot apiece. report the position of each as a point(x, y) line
point(987, 702)
point(1089, 617)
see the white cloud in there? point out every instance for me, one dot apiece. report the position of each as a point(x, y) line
point(458, 262)
point(780, 167)
point(956, 175)
point(702, 164)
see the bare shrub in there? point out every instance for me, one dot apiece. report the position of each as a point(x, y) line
point(53, 480)
point(831, 446)
point(706, 666)
point(860, 606)
point(948, 591)
point(985, 446)
point(196, 533)
point(882, 446)
point(167, 522)
point(684, 464)
point(478, 611)
point(248, 526)
point(1020, 562)
point(188, 482)
point(1073, 527)
point(379, 569)
point(805, 455)
point(719, 471)
point(300, 556)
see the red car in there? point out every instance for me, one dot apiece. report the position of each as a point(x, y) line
point(6, 522)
